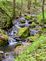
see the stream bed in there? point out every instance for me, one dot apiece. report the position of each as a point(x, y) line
point(9, 56)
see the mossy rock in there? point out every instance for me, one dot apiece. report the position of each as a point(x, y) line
point(33, 24)
point(33, 38)
point(28, 17)
point(3, 38)
point(23, 32)
point(22, 21)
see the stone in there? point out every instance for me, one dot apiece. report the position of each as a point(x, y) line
point(33, 32)
point(23, 32)
point(3, 38)
point(20, 48)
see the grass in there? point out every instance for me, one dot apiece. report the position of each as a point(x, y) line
point(7, 7)
point(30, 53)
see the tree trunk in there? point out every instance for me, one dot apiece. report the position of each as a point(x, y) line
point(29, 5)
point(43, 17)
point(21, 8)
point(35, 1)
point(13, 9)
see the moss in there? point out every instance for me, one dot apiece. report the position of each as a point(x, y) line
point(7, 7)
point(33, 38)
point(3, 38)
point(23, 32)
point(33, 24)
point(44, 31)
point(5, 23)
point(22, 21)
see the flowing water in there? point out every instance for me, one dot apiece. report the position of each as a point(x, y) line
point(9, 56)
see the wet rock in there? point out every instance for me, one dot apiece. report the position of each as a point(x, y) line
point(18, 38)
point(26, 23)
point(38, 27)
point(22, 25)
point(12, 41)
point(33, 32)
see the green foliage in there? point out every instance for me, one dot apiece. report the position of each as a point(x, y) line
point(40, 17)
point(33, 38)
point(7, 7)
point(4, 21)
point(5, 14)
point(30, 53)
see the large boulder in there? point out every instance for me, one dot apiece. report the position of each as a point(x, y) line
point(23, 32)
point(3, 38)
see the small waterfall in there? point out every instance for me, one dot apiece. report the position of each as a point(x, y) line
point(26, 24)
point(17, 25)
point(12, 41)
